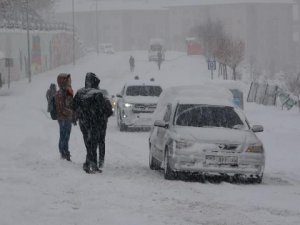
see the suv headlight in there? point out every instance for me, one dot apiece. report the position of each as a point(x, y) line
point(255, 149)
point(180, 144)
point(128, 105)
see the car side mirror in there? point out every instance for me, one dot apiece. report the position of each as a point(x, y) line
point(257, 128)
point(119, 96)
point(162, 124)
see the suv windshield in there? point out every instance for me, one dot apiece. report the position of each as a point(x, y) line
point(207, 116)
point(144, 91)
point(156, 47)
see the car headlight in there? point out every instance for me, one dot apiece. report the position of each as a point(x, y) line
point(128, 105)
point(180, 144)
point(255, 149)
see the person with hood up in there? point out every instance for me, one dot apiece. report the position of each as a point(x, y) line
point(64, 105)
point(92, 110)
point(50, 94)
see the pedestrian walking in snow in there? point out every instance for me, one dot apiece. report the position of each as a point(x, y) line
point(49, 95)
point(159, 59)
point(0, 80)
point(131, 63)
point(92, 110)
point(63, 103)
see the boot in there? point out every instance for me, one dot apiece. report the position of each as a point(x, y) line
point(101, 164)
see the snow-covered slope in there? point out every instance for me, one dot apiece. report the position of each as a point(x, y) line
point(36, 187)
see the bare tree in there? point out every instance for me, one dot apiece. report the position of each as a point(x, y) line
point(216, 43)
point(235, 55)
point(210, 33)
point(222, 53)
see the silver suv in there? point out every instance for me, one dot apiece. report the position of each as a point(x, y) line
point(200, 130)
point(136, 104)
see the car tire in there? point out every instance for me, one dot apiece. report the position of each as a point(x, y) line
point(258, 180)
point(169, 174)
point(153, 163)
point(121, 125)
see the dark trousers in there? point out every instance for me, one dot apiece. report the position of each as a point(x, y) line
point(64, 137)
point(94, 137)
point(158, 64)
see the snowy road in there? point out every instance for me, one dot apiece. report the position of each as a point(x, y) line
point(36, 187)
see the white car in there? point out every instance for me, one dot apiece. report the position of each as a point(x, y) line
point(198, 129)
point(136, 104)
point(107, 48)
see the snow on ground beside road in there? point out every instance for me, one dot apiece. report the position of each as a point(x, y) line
point(36, 187)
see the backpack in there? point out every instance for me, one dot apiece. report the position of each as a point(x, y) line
point(52, 108)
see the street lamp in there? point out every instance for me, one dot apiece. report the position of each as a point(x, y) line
point(28, 44)
point(73, 22)
point(97, 31)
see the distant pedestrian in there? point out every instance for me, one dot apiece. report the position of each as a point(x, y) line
point(1, 80)
point(159, 59)
point(92, 110)
point(65, 117)
point(131, 63)
point(50, 94)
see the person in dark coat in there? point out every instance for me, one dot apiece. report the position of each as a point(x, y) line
point(50, 94)
point(64, 108)
point(92, 111)
point(131, 63)
point(159, 59)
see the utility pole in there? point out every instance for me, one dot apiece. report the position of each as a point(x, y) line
point(73, 22)
point(28, 44)
point(97, 29)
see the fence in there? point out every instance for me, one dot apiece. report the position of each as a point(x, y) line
point(269, 94)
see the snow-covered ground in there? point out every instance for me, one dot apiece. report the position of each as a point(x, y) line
point(36, 187)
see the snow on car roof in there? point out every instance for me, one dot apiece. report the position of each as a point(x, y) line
point(141, 82)
point(197, 94)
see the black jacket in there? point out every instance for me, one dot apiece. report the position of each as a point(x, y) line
point(90, 106)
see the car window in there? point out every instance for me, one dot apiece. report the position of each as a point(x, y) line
point(167, 115)
point(123, 91)
point(207, 116)
point(144, 90)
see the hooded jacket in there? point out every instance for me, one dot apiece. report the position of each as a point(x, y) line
point(64, 98)
point(91, 108)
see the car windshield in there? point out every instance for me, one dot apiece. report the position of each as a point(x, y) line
point(156, 47)
point(144, 91)
point(192, 115)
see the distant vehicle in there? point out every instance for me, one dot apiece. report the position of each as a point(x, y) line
point(107, 48)
point(193, 46)
point(136, 104)
point(156, 46)
point(110, 97)
point(198, 129)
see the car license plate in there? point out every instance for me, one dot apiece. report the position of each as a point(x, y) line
point(221, 160)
